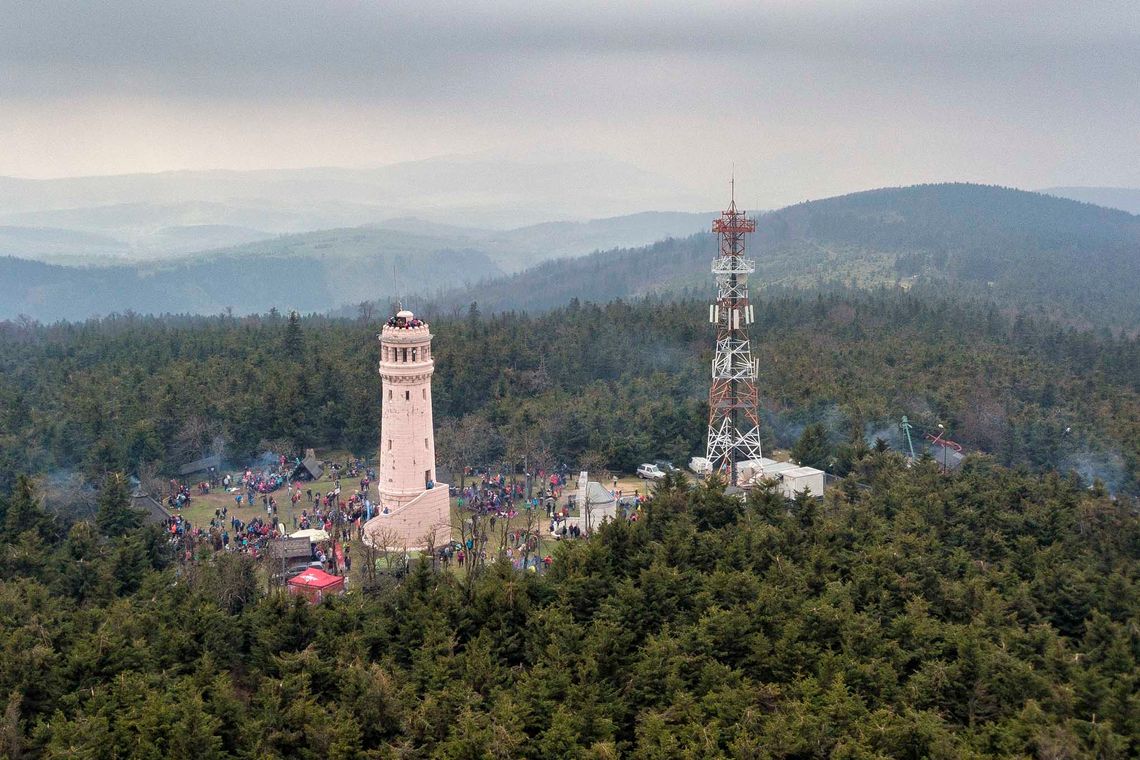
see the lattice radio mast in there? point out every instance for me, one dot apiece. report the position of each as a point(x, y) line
point(734, 408)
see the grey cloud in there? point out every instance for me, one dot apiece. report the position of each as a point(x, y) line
point(817, 97)
point(191, 47)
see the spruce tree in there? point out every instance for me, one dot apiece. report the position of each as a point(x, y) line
point(813, 448)
point(294, 338)
point(115, 515)
point(24, 512)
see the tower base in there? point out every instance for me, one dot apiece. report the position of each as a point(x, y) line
point(410, 525)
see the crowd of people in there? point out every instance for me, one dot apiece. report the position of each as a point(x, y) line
point(404, 322)
point(312, 508)
point(495, 495)
point(341, 514)
point(263, 481)
point(179, 495)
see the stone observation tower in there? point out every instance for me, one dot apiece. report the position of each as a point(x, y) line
point(412, 504)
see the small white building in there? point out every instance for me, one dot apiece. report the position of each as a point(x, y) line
point(795, 480)
point(790, 476)
point(754, 470)
point(600, 502)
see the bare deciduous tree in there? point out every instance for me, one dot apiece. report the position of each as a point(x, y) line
point(193, 438)
point(68, 494)
point(149, 481)
point(594, 461)
point(428, 541)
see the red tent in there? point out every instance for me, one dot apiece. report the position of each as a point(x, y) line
point(315, 585)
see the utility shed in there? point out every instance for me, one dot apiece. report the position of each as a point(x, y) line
point(602, 506)
point(290, 548)
point(947, 458)
point(201, 465)
point(308, 468)
point(797, 479)
point(756, 470)
point(152, 510)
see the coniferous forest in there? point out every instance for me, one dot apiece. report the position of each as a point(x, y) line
point(621, 383)
point(543, 381)
point(990, 612)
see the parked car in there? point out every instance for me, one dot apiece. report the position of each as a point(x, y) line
point(701, 466)
point(650, 472)
point(665, 465)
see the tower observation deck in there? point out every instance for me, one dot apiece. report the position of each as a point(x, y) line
point(734, 409)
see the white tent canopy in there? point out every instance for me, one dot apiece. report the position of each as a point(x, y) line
point(315, 535)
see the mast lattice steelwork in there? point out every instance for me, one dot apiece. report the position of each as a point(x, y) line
point(734, 408)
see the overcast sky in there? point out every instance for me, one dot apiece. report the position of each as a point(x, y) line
point(806, 98)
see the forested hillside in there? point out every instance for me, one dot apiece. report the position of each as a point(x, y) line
point(617, 384)
point(314, 271)
point(268, 275)
point(1058, 257)
point(1053, 257)
point(1123, 198)
point(910, 613)
point(987, 614)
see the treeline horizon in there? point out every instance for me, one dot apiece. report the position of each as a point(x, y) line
point(608, 385)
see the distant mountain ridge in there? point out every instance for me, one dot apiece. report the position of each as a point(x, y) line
point(341, 266)
point(493, 193)
point(1074, 260)
point(1068, 259)
point(50, 293)
point(1123, 198)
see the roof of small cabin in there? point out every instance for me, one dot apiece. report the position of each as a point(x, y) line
point(313, 465)
point(801, 472)
point(152, 508)
point(201, 465)
point(946, 456)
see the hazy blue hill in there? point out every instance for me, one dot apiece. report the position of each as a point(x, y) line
point(210, 285)
point(195, 237)
point(48, 242)
point(360, 263)
point(1123, 198)
point(527, 246)
point(154, 229)
point(501, 193)
point(1067, 258)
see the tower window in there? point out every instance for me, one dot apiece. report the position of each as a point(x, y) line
point(403, 354)
point(389, 444)
point(389, 394)
point(425, 443)
point(413, 354)
point(407, 395)
point(424, 391)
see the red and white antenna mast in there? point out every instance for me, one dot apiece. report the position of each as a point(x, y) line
point(734, 407)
